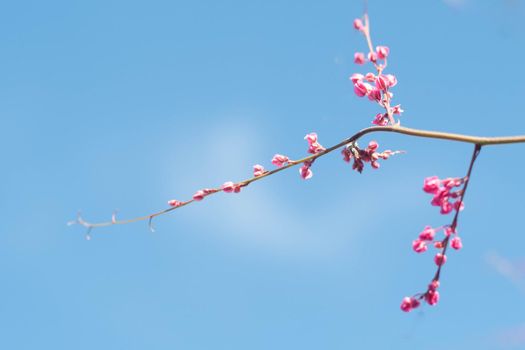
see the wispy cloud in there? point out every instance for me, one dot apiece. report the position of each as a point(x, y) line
point(514, 271)
point(457, 4)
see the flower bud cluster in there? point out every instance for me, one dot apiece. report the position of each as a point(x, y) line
point(367, 155)
point(448, 200)
point(444, 195)
point(375, 86)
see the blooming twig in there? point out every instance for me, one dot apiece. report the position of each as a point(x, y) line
point(482, 141)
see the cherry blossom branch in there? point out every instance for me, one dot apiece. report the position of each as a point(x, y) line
point(442, 191)
point(481, 141)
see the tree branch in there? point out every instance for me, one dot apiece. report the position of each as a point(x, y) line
point(477, 140)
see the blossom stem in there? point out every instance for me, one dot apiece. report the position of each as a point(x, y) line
point(477, 140)
point(453, 225)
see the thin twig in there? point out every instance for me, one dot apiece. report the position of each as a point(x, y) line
point(481, 141)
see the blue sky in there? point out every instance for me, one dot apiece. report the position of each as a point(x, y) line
point(123, 105)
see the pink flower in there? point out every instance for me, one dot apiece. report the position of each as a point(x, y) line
point(374, 95)
point(449, 230)
point(313, 146)
point(419, 246)
point(440, 259)
point(392, 80)
point(199, 195)
point(382, 52)
point(427, 234)
point(432, 297)
point(431, 184)
point(446, 207)
point(407, 304)
point(370, 77)
point(305, 171)
point(228, 187)
point(174, 203)
point(258, 170)
point(359, 58)
point(397, 109)
point(434, 285)
point(372, 56)
point(279, 160)
point(356, 77)
point(380, 119)
point(382, 82)
point(311, 138)
point(347, 154)
point(438, 244)
point(361, 89)
point(358, 24)
point(456, 243)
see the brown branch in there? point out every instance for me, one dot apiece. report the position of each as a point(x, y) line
point(481, 141)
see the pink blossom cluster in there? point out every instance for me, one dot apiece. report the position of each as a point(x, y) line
point(426, 237)
point(375, 86)
point(314, 147)
point(444, 195)
point(441, 189)
point(200, 194)
point(431, 297)
point(367, 155)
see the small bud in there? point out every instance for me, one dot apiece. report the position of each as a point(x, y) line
point(359, 58)
point(279, 160)
point(258, 170)
point(456, 243)
point(419, 246)
point(440, 259)
point(174, 203)
point(358, 24)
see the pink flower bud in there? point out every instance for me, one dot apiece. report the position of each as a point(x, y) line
point(311, 138)
point(228, 187)
point(372, 56)
point(427, 234)
point(374, 95)
point(419, 246)
point(438, 244)
point(382, 52)
point(392, 80)
point(380, 119)
point(446, 207)
point(431, 184)
point(432, 297)
point(258, 170)
point(305, 171)
point(361, 89)
point(199, 195)
point(359, 58)
point(434, 285)
point(279, 160)
point(456, 243)
point(449, 230)
point(440, 259)
point(372, 145)
point(370, 77)
point(356, 77)
point(406, 304)
point(174, 203)
point(358, 24)
point(382, 82)
point(397, 109)
point(347, 154)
